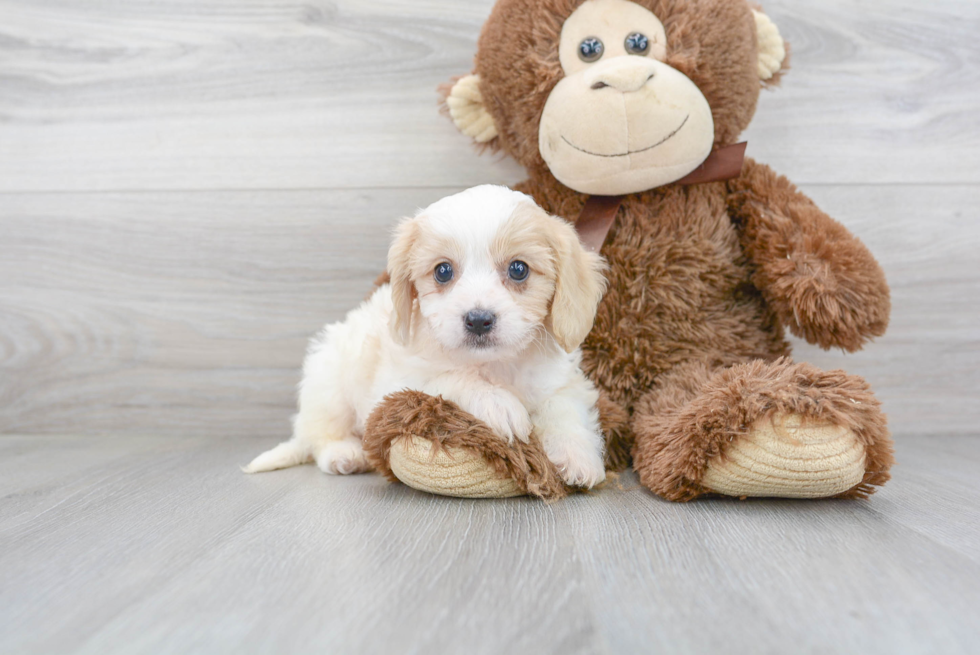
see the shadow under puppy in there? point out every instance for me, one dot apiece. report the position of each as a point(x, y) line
point(489, 300)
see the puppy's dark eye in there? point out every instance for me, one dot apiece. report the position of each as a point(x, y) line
point(518, 271)
point(590, 49)
point(636, 44)
point(443, 272)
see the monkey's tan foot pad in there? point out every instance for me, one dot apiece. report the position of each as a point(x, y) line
point(448, 471)
point(789, 456)
point(430, 444)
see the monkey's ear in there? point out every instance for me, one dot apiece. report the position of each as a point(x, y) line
point(772, 49)
point(465, 103)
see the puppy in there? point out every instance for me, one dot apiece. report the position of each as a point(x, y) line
point(489, 300)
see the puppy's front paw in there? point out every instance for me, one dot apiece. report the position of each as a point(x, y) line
point(578, 466)
point(343, 457)
point(504, 413)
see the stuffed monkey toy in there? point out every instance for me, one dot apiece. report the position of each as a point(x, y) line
point(626, 116)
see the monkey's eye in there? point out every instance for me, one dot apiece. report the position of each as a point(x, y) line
point(636, 44)
point(590, 49)
point(443, 272)
point(518, 271)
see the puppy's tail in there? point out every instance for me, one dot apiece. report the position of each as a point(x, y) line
point(286, 454)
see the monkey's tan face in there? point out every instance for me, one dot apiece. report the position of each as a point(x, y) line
point(621, 120)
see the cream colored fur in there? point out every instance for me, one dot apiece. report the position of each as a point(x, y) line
point(468, 112)
point(647, 125)
point(523, 374)
point(772, 48)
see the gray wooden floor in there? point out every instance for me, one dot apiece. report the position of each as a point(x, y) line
point(133, 545)
point(190, 188)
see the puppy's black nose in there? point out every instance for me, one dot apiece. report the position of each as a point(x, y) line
point(480, 321)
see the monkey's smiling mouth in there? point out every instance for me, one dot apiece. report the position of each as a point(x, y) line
point(631, 152)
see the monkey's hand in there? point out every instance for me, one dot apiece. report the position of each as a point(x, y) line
point(823, 283)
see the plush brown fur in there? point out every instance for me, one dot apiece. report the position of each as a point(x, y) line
point(688, 341)
point(615, 425)
point(822, 282)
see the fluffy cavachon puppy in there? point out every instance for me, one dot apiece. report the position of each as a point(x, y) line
point(638, 103)
point(488, 301)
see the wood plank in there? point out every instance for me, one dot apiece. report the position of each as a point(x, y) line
point(252, 94)
point(41, 463)
point(169, 547)
point(174, 313)
point(123, 312)
point(157, 532)
point(878, 92)
point(935, 491)
point(217, 94)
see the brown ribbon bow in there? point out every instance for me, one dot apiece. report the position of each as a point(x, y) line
point(599, 212)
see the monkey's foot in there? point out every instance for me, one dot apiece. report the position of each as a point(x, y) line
point(761, 429)
point(788, 456)
point(447, 471)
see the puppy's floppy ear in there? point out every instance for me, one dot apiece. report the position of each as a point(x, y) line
point(579, 286)
point(402, 290)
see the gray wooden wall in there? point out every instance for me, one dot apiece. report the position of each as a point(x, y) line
point(190, 188)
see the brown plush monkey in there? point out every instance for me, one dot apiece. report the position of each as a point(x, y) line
point(634, 104)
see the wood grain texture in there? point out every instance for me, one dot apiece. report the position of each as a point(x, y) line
point(245, 94)
point(162, 545)
point(130, 312)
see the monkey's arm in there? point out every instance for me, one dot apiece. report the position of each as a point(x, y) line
point(821, 280)
point(477, 454)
